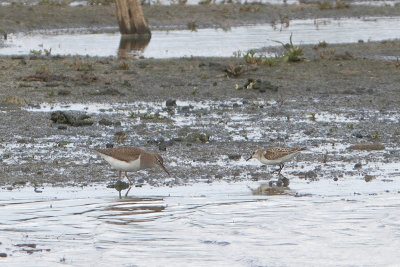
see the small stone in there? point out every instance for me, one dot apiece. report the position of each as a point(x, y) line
point(162, 146)
point(3, 255)
point(234, 156)
point(64, 92)
point(105, 122)
point(335, 179)
point(261, 86)
point(83, 121)
point(358, 165)
point(62, 127)
point(357, 134)
point(170, 103)
point(185, 108)
point(369, 178)
point(60, 117)
point(109, 145)
point(22, 183)
point(310, 174)
point(67, 118)
point(218, 176)
point(198, 138)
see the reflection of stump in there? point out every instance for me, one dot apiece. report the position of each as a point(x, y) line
point(130, 17)
point(132, 42)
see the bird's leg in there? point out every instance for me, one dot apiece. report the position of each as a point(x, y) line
point(119, 177)
point(127, 192)
point(280, 168)
point(130, 181)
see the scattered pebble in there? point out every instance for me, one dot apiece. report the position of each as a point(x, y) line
point(261, 86)
point(358, 165)
point(62, 127)
point(109, 145)
point(105, 122)
point(62, 117)
point(234, 156)
point(64, 92)
point(357, 134)
point(170, 103)
point(369, 178)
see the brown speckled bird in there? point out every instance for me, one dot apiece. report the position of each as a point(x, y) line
point(130, 159)
point(275, 155)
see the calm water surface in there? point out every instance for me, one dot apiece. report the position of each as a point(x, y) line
point(222, 224)
point(207, 42)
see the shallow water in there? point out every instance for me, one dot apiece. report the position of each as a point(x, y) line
point(207, 42)
point(222, 224)
point(317, 222)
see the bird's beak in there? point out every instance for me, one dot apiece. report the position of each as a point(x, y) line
point(249, 158)
point(162, 166)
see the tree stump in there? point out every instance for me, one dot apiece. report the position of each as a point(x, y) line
point(131, 18)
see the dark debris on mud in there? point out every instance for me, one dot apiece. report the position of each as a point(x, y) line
point(307, 104)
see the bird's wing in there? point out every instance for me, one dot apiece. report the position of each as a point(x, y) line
point(275, 153)
point(122, 153)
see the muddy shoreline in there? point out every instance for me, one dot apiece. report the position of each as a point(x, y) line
point(211, 145)
point(336, 97)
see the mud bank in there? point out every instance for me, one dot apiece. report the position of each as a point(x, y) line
point(326, 105)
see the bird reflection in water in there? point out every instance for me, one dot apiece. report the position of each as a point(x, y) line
point(278, 187)
point(132, 210)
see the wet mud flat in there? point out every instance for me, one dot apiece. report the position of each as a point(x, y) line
point(203, 118)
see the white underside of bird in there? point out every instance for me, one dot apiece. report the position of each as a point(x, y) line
point(122, 165)
point(278, 161)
